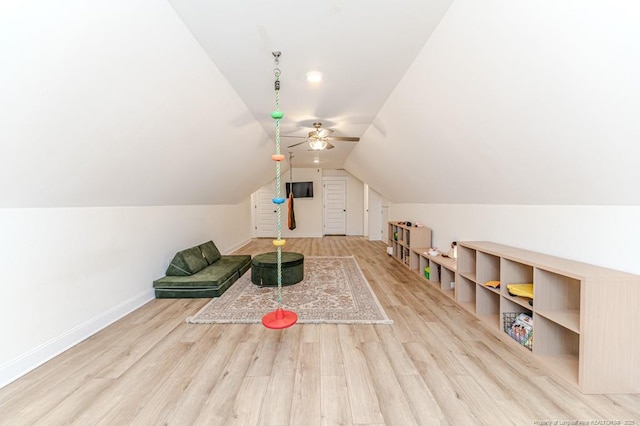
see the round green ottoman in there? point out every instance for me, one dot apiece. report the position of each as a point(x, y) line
point(264, 268)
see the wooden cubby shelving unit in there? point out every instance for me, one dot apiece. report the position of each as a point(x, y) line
point(584, 321)
point(442, 269)
point(402, 238)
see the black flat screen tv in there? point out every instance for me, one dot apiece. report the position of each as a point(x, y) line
point(300, 189)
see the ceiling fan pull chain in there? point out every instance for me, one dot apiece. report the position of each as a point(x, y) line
point(276, 71)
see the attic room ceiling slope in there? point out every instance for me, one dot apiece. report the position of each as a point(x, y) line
point(495, 110)
point(362, 47)
point(92, 116)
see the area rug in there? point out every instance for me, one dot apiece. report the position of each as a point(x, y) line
point(333, 290)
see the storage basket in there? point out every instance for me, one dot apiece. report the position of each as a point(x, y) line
point(520, 335)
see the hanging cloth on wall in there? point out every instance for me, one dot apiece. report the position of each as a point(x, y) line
point(292, 214)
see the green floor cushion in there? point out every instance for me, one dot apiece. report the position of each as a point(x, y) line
point(211, 276)
point(264, 268)
point(187, 262)
point(210, 252)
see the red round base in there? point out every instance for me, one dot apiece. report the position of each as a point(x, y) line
point(279, 319)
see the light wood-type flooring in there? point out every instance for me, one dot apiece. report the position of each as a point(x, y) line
point(435, 365)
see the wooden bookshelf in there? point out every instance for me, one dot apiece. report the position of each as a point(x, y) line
point(583, 315)
point(402, 238)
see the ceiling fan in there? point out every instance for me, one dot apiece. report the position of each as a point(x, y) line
point(320, 138)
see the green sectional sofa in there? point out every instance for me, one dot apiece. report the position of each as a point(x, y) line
point(200, 271)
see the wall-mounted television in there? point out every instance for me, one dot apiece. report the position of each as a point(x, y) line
point(300, 189)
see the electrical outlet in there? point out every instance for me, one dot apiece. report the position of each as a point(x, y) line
point(452, 285)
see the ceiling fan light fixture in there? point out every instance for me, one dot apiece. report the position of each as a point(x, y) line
point(314, 76)
point(317, 144)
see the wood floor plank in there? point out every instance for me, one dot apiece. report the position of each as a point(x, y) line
point(252, 390)
point(276, 403)
point(335, 407)
point(423, 404)
point(220, 406)
point(158, 407)
point(396, 354)
point(365, 406)
point(435, 365)
point(305, 404)
point(331, 359)
point(187, 407)
point(441, 385)
point(393, 403)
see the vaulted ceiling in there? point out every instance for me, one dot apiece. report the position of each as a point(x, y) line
point(150, 102)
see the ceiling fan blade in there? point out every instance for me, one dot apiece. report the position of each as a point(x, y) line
point(296, 144)
point(329, 146)
point(290, 136)
point(343, 138)
point(320, 133)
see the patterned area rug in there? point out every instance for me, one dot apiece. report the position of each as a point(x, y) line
point(333, 290)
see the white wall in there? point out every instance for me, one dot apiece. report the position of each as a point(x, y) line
point(375, 216)
point(601, 235)
point(308, 211)
point(514, 102)
point(68, 272)
point(114, 103)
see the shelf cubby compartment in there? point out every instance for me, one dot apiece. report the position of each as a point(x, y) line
point(465, 293)
point(406, 258)
point(444, 276)
point(488, 267)
point(488, 306)
point(508, 305)
point(512, 272)
point(402, 238)
point(558, 346)
point(417, 262)
point(557, 298)
point(582, 314)
point(467, 263)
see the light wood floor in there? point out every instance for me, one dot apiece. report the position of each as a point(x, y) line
point(434, 365)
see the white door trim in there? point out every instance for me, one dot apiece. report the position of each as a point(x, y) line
point(330, 209)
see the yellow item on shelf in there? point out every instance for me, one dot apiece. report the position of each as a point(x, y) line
point(494, 284)
point(524, 290)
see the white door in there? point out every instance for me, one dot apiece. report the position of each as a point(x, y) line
point(266, 218)
point(335, 207)
point(385, 220)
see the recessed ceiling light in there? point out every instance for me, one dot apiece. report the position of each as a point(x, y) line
point(314, 76)
point(316, 160)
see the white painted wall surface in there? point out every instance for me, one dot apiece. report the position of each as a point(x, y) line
point(375, 216)
point(68, 272)
point(601, 235)
point(308, 210)
point(309, 220)
point(114, 103)
point(514, 102)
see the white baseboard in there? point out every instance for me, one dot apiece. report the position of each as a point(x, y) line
point(37, 356)
point(237, 246)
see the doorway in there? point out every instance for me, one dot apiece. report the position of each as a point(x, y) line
point(265, 212)
point(335, 206)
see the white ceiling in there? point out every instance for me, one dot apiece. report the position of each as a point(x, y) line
point(363, 48)
point(128, 103)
